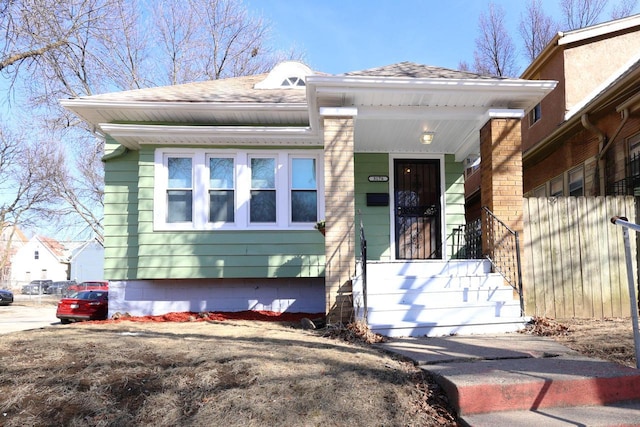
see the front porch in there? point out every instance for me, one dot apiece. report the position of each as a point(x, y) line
point(435, 298)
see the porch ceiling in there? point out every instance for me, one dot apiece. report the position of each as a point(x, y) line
point(392, 113)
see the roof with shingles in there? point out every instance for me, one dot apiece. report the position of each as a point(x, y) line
point(235, 89)
point(418, 71)
point(56, 248)
point(242, 89)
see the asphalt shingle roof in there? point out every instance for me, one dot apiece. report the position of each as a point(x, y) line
point(236, 89)
point(411, 69)
point(241, 89)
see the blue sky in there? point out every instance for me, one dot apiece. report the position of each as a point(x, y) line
point(338, 36)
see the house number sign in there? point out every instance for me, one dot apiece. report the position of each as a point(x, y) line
point(378, 178)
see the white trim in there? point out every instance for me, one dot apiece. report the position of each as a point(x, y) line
point(242, 190)
point(599, 29)
point(106, 104)
point(134, 136)
point(338, 111)
point(503, 113)
point(392, 200)
point(282, 71)
point(353, 84)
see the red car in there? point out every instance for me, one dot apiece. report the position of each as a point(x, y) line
point(85, 305)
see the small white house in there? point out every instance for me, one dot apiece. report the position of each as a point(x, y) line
point(87, 261)
point(41, 258)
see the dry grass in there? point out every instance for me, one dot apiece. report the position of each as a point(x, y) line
point(232, 373)
point(607, 339)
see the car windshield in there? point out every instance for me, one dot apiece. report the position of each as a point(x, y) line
point(89, 295)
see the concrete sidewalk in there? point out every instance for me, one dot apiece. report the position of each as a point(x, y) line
point(525, 380)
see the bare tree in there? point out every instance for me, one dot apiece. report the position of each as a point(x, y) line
point(623, 8)
point(57, 49)
point(581, 13)
point(495, 53)
point(26, 172)
point(536, 29)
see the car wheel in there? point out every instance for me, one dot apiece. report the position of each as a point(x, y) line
point(65, 321)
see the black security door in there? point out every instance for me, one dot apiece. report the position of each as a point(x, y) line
point(417, 209)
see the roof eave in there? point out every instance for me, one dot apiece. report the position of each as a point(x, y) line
point(134, 136)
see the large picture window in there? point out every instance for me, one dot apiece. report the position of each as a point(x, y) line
point(232, 189)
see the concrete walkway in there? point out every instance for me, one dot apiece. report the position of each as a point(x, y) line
point(28, 312)
point(524, 380)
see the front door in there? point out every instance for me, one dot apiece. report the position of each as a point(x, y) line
point(417, 209)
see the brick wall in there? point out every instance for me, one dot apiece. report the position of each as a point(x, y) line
point(501, 169)
point(339, 217)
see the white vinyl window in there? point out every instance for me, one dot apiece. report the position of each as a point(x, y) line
point(179, 189)
point(304, 190)
point(237, 189)
point(222, 189)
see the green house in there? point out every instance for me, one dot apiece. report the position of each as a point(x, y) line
point(214, 191)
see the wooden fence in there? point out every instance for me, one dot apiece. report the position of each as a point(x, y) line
point(574, 262)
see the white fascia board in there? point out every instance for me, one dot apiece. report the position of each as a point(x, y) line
point(214, 132)
point(338, 111)
point(599, 30)
point(329, 84)
point(503, 113)
point(182, 105)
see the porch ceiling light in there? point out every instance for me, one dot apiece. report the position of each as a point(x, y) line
point(427, 137)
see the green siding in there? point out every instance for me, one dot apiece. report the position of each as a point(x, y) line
point(133, 250)
point(376, 219)
point(216, 254)
point(120, 214)
point(454, 199)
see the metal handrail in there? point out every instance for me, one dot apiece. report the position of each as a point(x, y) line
point(363, 260)
point(503, 251)
point(624, 222)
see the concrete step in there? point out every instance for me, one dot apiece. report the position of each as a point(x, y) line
point(388, 269)
point(533, 384)
point(620, 414)
point(525, 380)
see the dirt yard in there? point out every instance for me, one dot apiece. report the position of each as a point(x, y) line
point(608, 339)
point(217, 371)
point(223, 373)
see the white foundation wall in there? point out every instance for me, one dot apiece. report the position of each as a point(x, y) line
point(157, 297)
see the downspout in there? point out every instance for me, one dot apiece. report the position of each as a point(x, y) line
point(603, 151)
point(602, 138)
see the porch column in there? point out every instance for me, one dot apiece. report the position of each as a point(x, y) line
point(501, 173)
point(339, 217)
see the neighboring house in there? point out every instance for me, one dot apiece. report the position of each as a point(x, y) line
point(584, 138)
point(11, 240)
point(87, 261)
point(213, 189)
point(40, 258)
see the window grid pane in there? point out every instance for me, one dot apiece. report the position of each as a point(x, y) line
point(576, 187)
point(221, 189)
point(262, 204)
point(304, 195)
point(179, 192)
